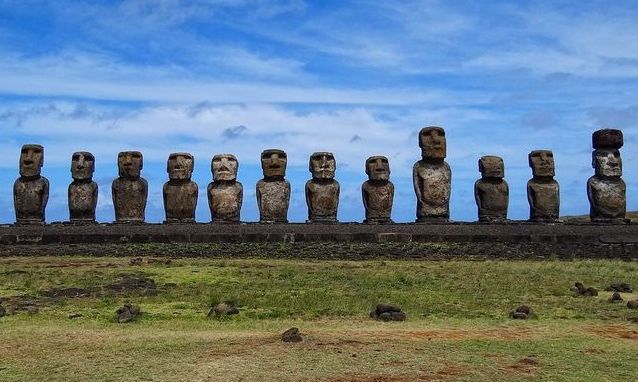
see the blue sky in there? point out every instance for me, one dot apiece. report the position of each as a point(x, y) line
point(357, 78)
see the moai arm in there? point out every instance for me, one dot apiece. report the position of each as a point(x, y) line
point(364, 194)
point(95, 196)
point(416, 180)
point(241, 197)
point(45, 195)
point(308, 197)
point(258, 194)
point(477, 196)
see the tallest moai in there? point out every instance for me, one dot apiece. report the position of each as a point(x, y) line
point(606, 189)
point(432, 177)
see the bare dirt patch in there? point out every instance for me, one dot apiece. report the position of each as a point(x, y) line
point(133, 284)
point(615, 331)
point(505, 333)
point(527, 365)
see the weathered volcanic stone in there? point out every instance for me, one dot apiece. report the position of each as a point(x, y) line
point(632, 304)
point(273, 191)
point(543, 192)
point(523, 312)
point(491, 191)
point(225, 193)
point(606, 190)
point(180, 193)
point(130, 190)
point(291, 335)
point(3, 311)
point(223, 309)
point(83, 191)
point(620, 287)
point(378, 192)
point(387, 312)
point(30, 190)
point(615, 297)
point(127, 313)
point(432, 177)
point(322, 191)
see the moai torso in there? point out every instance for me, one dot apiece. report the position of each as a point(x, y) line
point(180, 193)
point(606, 189)
point(225, 193)
point(83, 191)
point(432, 177)
point(129, 190)
point(377, 192)
point(31, 190)
point(491, 191)
point(322, 191)
point(543, 192)
point(273, 191)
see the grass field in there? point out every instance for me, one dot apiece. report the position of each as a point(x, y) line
point(457, 328)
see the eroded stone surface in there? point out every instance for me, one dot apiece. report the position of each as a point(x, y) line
point(180, 193)
point(322, 191)
point(543, 192)
point(273, 191)
point(83, 191)
point(491, 191)
point(129, 190)
point(378, 192)
point(606, 190)
point(225, 193)
point(31, 189)
point(432, 177)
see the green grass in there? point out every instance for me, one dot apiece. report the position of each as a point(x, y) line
point(457, 326)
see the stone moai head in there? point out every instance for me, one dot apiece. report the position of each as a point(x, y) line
point(130, 164)
point(606, 157)
point(542, 163)
point(273, 163)
point(378, 168)
point(31, 160)
point(322, 165)
point(491, 167)
point(82, 165)
point(180, 166)
point(224, 167)
point(432, 142)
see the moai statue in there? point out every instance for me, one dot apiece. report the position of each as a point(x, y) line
point(378, 191)
point(83, 190)
point(491, 191)
point(30, 190)
point(322, 191)
point(129, 190)
point(180, 193)
point(225, 193)
point(542, 190)
point(273, 191)
point(606, 189)
point(432, 177)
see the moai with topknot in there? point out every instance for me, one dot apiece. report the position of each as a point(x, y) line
point(129, 190)
point(83, 190)
point(225, 193)
point(491, 191)
point(31, 189)
point(432, 177)
point(606, 189)
point(322, 191)
point(543, 191)
point(378, 191)
point(273, 191)
point(180, 192)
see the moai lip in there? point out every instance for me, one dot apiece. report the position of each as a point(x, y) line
point(432, 177)
point(491, 192)
point(377, 192)
point(31, 190)
point(543, 192)
point(83, 191)
point(180, 193)
point(273, 191)
point(225, 193)
point(606, 190)
point(129, 190)
point(322, 191)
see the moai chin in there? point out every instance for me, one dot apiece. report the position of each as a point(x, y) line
point(30, 190)
point(180, 193)
point(83, 191)
point(322, 191)
point(543, 191)
point(129, 190)
point(273, 191)
point(606, 189)
point(225, 193)
point(432, 177)
point(377, 192)
point(491, 191)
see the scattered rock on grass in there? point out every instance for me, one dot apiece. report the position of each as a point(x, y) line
point(226, 308)
point(523, 312)
point(632, 304)
point(580, 289)
point(387, 312)
point(619, 287)
point(3, 311)
point(615, 297)
point(291, 335)
point(127, 313)
point(73, 316)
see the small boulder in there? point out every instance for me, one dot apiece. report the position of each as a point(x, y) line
point(523, 312)
point(226, 308)
point(591, 291)
point(383, 308)
point(3, 311)
point(398, 316)
point(127, 313)
point(73, 316)
point(385, 316)
point(615, 297)
point(387, 312)
point(518, 315)
point(619, 287)
point(632, 304)
point(580, 289)
point(291, 335)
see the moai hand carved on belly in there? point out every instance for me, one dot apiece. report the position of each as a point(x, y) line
point(432, 177)
point(378, 192)
point(322, 191)
point(83, 191)
point(491, 191)
point(273, 191)
point(225, 193)
point(543, 192)
point(129, 190)
point(180, 193)
point(606, 189)
point(31, 189)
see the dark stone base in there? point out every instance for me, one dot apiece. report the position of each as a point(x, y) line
point(433, 220)
point(378, 221)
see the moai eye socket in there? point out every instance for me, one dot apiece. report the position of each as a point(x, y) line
point(37, 150)
point(283, 155)
point(265, 156)
point(384, 161)
point(76, 157)
point(217, 160)
point(231, 159)
point(136, 155)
